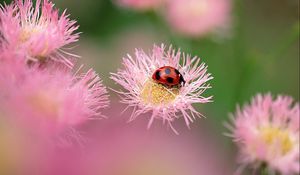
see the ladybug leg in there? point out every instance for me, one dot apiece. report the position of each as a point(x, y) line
point(175, 86)
point(169, 86)
point(182, 80)
point(165, 85)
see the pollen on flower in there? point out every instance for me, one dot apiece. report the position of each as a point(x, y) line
point(196, 8)
point(27, 32)
point(274, 135)
point(155, 94)
point(24, 36)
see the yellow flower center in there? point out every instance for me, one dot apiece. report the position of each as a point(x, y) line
point(26, 33)
point(44, 103)
point(24, 36)
point(194, 8)
point(156, 94)
point(277, 136)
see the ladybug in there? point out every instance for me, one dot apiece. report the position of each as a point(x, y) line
point(168, 76)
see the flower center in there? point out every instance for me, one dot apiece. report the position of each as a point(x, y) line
point(28, 32)
point(24, 36)
point(44, 103)
point(157, 94)
point(277, 137)
point(195, 8)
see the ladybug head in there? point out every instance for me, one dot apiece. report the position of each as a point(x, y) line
point(181, 80)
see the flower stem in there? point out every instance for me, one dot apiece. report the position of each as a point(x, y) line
point(264, 171)
point(240, 54)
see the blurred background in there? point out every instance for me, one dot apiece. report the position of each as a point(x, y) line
point(254, 50)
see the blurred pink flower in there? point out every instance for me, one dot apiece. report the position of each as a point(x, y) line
point(12, 71)
point(267, 132)
point(52, 101)
point(38, 31)
point(121, 149)
point(166, 103)
point(196, 18)
point(117, 149)
point(142, 5)
point(12, 147)
point(23, 154)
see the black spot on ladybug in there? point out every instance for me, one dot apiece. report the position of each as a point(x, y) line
point(170, 80)
point(177, 72)
point(167, 71)
point(157, 75)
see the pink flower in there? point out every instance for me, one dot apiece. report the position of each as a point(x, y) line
point(38, 31)
point(141, 5)
point(12, 71)
point(50, 102)
point(196, 18)
point(166, 103)
point(267, 132)
point(132, 150)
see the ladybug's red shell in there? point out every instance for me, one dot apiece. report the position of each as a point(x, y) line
point(168, 76)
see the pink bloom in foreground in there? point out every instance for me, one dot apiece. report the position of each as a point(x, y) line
point(198, 17)
point(155, 152)
point(142, 5)
point(37, 30)
point(12, 71)
point(51, 102)
point(166, 103)
point(267, 132)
